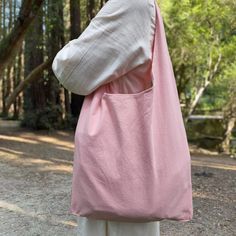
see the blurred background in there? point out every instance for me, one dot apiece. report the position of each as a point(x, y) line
point(38, 116)
point(202, 43)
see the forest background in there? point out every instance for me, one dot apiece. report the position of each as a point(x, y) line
point(201, 36)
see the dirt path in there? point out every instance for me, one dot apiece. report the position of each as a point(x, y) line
point(35, 180)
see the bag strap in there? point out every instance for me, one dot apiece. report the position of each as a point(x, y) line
point(166, 103)
point(154, 37)
point(161, 62)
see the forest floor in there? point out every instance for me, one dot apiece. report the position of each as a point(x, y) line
point(35, 185)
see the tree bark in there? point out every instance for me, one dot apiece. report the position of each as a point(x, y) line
point(230, 120)
point(201, 90)
point(90, 10)
point(35, 99)
point(227, 136)
point(75, 19)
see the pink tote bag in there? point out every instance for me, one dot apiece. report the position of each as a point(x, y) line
point(131, 157)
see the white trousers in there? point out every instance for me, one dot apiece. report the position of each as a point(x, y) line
point(92, 227)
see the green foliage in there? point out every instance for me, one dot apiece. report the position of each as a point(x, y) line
point(197, 33)
point(204, 133)
point(221, 91)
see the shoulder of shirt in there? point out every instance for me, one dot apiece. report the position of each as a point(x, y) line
point(125, 7)
point(137, 4)
point(133, 3)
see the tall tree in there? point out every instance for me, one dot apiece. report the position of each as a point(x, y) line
point(90, 10)
point(229, 108)
point(54, 32)
point(75, 30)
point(3, 35)
point(34, 96)
point(9, 70)
point(10, 44)
point(198, 34)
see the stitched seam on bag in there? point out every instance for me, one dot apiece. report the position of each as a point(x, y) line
point(128, 95)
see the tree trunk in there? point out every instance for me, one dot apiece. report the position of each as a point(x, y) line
point(17, 81)
point(227, 136)
point(76, 100)
point(208, 79)
point(54, 35)
point(230, 118)
point(3, 35)
point(34, 96)
point(9, 75)
point(90, 10)
point(32, 77)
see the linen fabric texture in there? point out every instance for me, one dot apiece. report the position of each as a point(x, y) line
point(115, 49)
point(91, 227)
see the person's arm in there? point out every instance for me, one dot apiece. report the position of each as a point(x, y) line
point(114, 43)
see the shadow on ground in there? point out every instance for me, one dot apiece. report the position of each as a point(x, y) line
point(35, 180)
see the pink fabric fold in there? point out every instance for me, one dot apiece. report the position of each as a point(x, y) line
point(131, 157)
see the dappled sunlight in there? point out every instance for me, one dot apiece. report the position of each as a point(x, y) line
point(18, 138)
point(61, 161)
point(37, 139)
point(14, 208)
point(40, 164)
point(41, 116)
point(38, 168)
point(64, 148)
point(56, 168)
point(203, 195)
point(213, 165)
point(50, 139)
point(44, 153)
point(19, 160)
point(11, 207)
point(11, 151)
point(65, 134)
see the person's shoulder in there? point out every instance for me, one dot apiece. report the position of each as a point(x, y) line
point(130, 6)
point(130, 14)
point(140, 4)
point(134, 5)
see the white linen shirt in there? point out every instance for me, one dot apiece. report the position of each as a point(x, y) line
point(118, 40)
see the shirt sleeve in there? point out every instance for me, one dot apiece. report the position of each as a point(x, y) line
point(114, 43)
